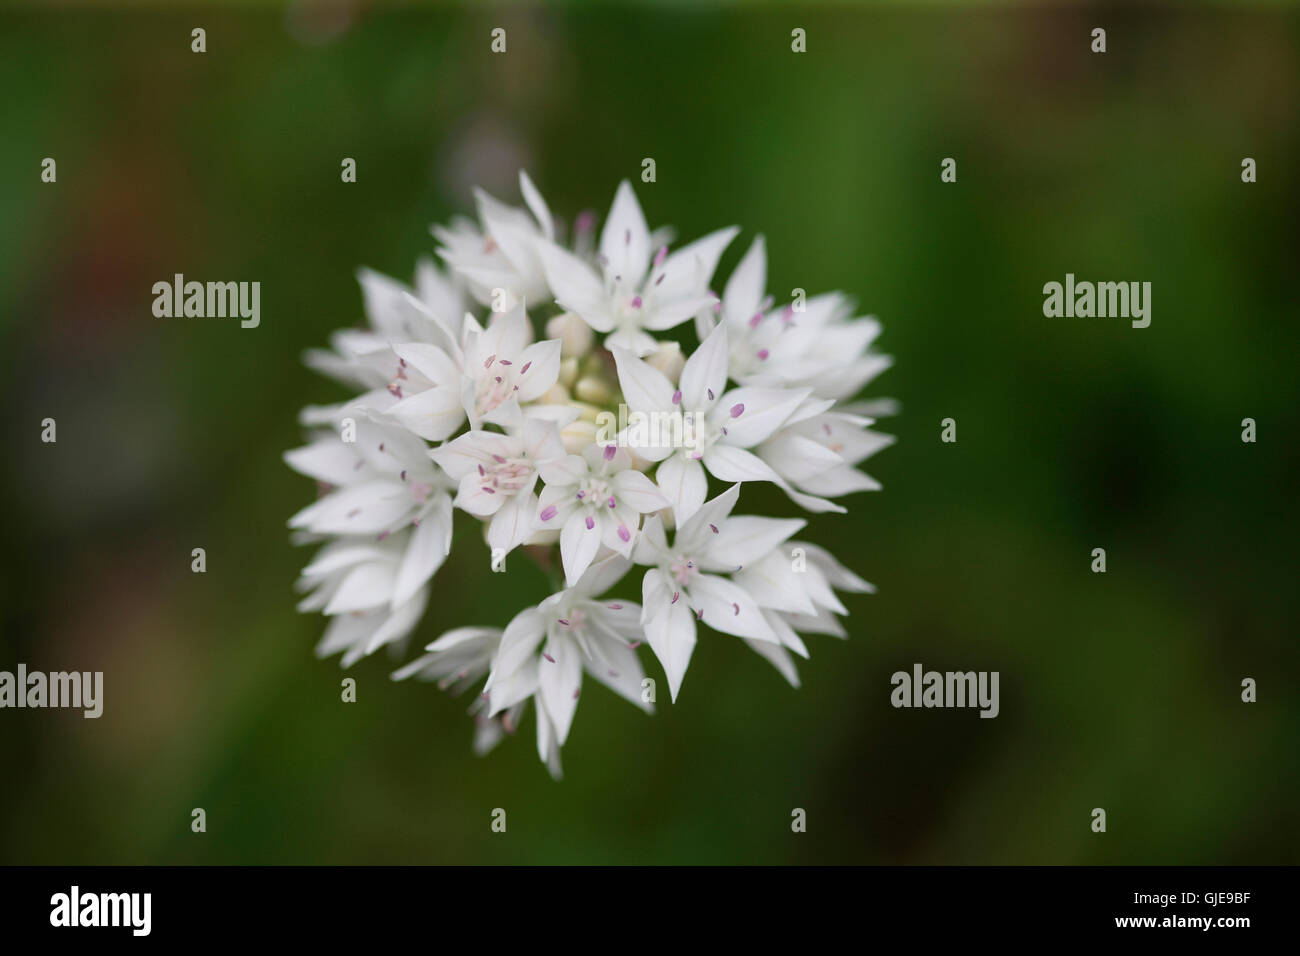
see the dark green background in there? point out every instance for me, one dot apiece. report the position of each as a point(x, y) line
point(1118, 691)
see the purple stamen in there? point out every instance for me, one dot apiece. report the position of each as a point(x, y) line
point(549, 512)
point(591, 522)
point(636, 302)
point(713, 528)
point(736, 608)
point(614, 607)
point(610, 452)
point(676, 595)
point(548, 656)
point(490, 359)
point(395, 390)
point(527, 365)
point(489, 489)
point(660, 256)
point(763, 354)
point(498, 459)
point(624, 534)
point(710, 391)
point(677, 397)
point(610, 501)
point(737, 410)
point(507, 362)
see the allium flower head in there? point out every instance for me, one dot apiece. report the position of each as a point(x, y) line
point(530, 386)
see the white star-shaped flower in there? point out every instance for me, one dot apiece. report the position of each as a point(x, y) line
point(687, 580)
point(637, 289)
point(497, 473)
point(699, 426)
point(500, 260)
point(438, 389)
point(594, 499)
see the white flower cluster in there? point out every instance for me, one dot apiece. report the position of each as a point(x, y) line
point(555, 442)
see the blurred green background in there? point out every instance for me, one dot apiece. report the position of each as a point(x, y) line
point(1119, 691)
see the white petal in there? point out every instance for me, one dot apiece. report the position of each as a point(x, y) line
point(751, 414)
point(559, 680)
point(797, 458)
point(645, 389)
point(428, 547)
point(692, 535)
point(669, 628)
point(542, 360)
point(744, 539)
point(478, 498)
point(729, 608)
point(329, 460)
point(625, 240)
point(774, 582)
point(728, 463)
point(430, 361)
point(537, 205)
point(744, 292)
point(621, 672)
point(576, 286)
point(462, 455)
point(563, 470)
point(365, 586)
point(519, 642)
point(683, 483)
point(434, 414)
point(637, 491)
point(705, 374)
point(513, 523)
point(367, 508)
point(778, 656)
point(602, 576)
point(578, 546)
point(689, 269)
point(652, 544)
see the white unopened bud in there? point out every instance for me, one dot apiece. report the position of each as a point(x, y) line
point(594, 390)
point(577, 435)
point(557, 394)
point(668, 359)
point(568, 372)
point(574, 334)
